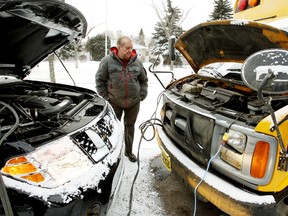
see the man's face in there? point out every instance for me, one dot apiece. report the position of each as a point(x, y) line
point(125, 49)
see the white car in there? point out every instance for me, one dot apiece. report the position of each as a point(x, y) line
point(60, 145)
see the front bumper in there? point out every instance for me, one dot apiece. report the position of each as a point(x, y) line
point(224, 195)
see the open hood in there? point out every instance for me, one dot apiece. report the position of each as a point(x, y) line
point(228, 41)
point(33, 29)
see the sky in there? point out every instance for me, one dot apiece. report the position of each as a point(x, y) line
point(130, 16)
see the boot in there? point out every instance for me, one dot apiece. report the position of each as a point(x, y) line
point(131, 157)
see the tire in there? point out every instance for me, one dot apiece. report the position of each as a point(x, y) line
point(87, 207)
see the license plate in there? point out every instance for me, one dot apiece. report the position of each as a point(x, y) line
point(166, 159)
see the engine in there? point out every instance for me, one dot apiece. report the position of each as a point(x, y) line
point(225, 96)
point(33, 113)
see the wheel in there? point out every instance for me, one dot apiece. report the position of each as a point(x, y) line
point(89, 207)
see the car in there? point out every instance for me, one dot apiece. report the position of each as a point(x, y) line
point(61, 146)
point(224, 127)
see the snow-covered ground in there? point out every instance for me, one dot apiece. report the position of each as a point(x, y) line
point(146, 201)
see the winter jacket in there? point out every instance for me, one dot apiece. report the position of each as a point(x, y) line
point(121, 85)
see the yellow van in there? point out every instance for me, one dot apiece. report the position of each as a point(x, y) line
point(224, 127)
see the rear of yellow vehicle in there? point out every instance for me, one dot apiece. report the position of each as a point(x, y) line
point(273, 12)
point(260, 10)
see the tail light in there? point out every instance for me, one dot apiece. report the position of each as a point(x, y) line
point(253, 3)
point(242, 4)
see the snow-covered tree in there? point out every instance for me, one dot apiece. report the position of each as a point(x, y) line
point(141, 38)
point(169, 24)
point(222, 10)
point(96, 46)
point(68, 52)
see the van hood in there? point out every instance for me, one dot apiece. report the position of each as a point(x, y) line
point(33, 29)
point(228, 41)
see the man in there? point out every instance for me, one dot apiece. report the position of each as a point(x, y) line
point(122, 80)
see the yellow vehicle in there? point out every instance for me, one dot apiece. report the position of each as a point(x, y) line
point(225, 127)
point(274, 12)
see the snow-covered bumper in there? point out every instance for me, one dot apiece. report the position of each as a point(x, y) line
point(224, 195)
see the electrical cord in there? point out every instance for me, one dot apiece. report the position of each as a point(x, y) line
point(206, 171)
point(4, 195)
point(152, 122)
point(223, 142)
point(16, 124)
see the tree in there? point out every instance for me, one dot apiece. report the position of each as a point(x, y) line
point(169, 24)
point(51, 65)
point(96, 46)
point(222, 10)
point(68, 51)
point(141, 38)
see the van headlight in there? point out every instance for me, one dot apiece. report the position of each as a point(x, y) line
point(237, 140)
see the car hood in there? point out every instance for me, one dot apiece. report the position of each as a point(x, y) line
point(33, 29)
point(228, 41)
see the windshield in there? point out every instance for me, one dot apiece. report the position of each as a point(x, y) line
point(228, 70)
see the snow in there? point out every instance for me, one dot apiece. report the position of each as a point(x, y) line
point(145, 200)
point(67, 163)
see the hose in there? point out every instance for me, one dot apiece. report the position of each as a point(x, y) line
point(152, 122)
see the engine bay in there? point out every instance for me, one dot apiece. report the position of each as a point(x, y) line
point(226, 96)
point(34, 112)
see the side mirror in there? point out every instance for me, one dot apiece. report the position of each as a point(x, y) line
point(171, 48)
point(267, 71)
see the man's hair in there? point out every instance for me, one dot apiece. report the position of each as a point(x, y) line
point(121, 39)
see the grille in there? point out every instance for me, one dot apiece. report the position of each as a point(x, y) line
point(103, 128)
point(86, 143)
point(191, 132)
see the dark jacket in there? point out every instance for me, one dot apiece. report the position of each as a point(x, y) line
point(121, 85)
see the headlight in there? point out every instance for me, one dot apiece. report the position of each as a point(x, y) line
point(50, 165)
point(22, 168)
point(237, 140)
